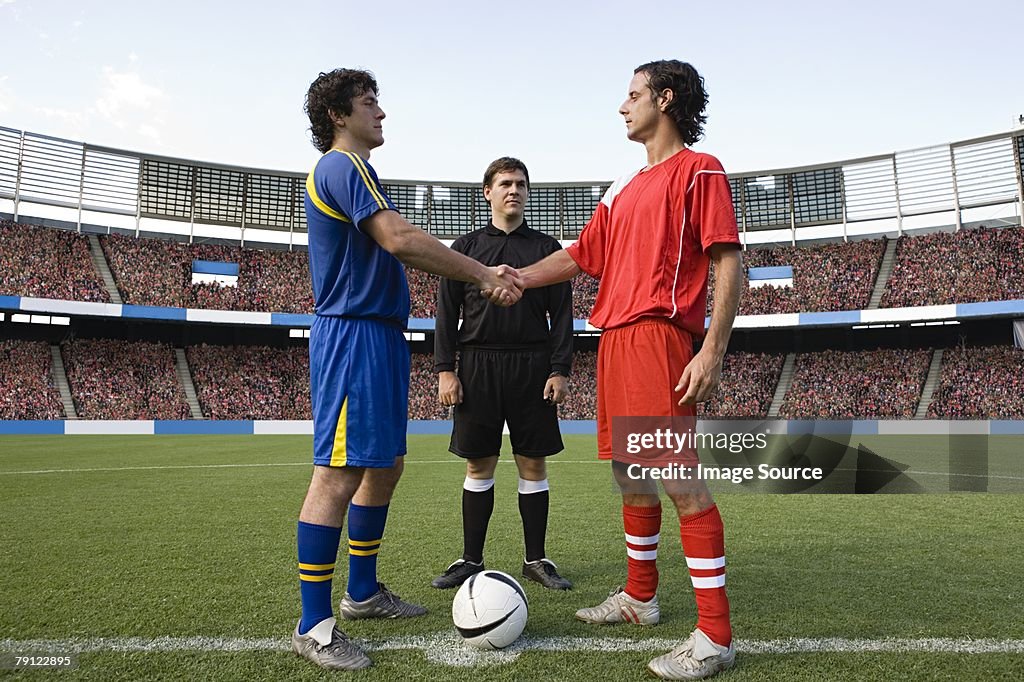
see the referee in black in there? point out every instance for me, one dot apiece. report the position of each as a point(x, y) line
point(512, 368)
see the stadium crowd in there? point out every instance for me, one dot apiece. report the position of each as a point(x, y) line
point(826, 277)
point(113, 379)
point(47, 263)
point(27, 390)
point(155, 272)
point(878, 384)
point(979, 264)
point(747, 388)
point(251, 382)
point(980, 383)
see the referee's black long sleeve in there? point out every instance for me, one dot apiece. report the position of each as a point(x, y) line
point(522, 326)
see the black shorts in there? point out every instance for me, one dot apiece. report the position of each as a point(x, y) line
point(504, 386)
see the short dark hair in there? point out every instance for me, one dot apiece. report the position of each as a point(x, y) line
point(689, 96)
point(334, 91)
point(505, 164)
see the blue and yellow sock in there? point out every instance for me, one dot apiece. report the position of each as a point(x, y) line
point(318, 552)
point(365, 532)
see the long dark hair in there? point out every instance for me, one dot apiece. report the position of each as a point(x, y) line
point(689, 96)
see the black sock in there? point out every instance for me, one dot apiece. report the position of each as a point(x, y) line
point(533, 507)
point(477, 505)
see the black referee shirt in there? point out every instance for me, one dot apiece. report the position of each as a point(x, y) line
point(523, 326)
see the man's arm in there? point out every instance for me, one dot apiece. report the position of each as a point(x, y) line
point(702, 375)
point(559, 305)
point(450, 296)
point(419, 250)
point(558, 267)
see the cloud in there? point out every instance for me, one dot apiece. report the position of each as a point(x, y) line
point(6, 94)
point(125, 93)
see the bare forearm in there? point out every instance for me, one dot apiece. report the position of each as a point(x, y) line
point(728, 285)
point(421, 251)
point(558, 267)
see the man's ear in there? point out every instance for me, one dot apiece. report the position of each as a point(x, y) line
point(666, 96)
point(487, 194)
point(336, 118)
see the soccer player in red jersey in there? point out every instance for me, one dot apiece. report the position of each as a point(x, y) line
point(650, 243)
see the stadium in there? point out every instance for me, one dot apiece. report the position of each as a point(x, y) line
point(154, 324)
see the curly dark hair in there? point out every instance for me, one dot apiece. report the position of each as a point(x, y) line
point(334, 91)
point(689, 100)
point(505, 164)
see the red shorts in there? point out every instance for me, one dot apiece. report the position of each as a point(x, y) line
point(638, 368)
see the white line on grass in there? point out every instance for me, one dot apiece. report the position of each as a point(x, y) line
point(237, 466)
point(447, 649)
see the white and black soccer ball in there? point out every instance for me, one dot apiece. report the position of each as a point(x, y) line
point(490, 610)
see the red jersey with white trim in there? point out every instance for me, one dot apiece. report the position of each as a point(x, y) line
point(648, 242)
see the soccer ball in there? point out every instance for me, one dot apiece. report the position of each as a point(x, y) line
point(490, 610)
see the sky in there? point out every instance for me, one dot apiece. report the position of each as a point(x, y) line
point(790, 83)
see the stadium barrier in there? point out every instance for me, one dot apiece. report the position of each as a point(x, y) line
point(860, 427)
point(843, 318)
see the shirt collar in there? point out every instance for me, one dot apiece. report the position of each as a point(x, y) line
point(521, 231)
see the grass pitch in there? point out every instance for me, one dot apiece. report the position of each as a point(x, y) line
point(191, 537)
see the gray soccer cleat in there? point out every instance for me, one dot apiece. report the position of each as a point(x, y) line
point(545, 572)
point(619, 607)
point(384, 604)
point(696, 658)
point(329, 647)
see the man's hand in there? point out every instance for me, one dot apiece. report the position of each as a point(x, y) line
point(503, 286)
point(449, 388)
point(700, 378)
point(556, 389)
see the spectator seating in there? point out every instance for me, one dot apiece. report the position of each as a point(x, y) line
point(747, 387)
point(27, 390)
point(47, 263)
point(251, 382)
point(980, 383)
point(981, 264)
point(112, 379)
point(879, 384)
point(159, 273)
point(826, 277)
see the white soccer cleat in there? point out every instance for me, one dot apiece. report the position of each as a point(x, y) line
point(619, 607)
point(695, 659)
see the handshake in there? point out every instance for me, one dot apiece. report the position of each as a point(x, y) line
point(502, 286)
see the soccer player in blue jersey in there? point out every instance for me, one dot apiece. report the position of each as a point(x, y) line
point(359, 361)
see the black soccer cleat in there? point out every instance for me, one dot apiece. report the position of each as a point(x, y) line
point(456, 574)
point(545, 572)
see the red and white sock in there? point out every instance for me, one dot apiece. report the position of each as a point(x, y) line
point(643, 528)
point(703, 537)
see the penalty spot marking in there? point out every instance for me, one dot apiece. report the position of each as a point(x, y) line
point(447, 649)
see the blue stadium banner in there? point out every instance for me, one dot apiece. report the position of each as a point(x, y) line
point(777, 272)
point(211, 267)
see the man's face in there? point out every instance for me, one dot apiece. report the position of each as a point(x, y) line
point(364, 123)
point(507, 194)
point(640, 110)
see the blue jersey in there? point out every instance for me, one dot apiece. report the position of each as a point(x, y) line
point(352, 275)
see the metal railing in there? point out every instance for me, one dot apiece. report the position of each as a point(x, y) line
point(945, 179)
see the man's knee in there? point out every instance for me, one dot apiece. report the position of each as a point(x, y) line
point(532, 468)
point(481, 467)
point(689, 497)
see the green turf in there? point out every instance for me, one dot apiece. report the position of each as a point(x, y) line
point(149, 552)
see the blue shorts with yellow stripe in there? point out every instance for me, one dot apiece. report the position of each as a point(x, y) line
point(359, 385)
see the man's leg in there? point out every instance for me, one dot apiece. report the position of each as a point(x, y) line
point(703, 537)
point(534, 501)
point(708, 650)
point(316, 637)
point(641, 518)
point(319, 533)
point(477, 506)
point(367, 516)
